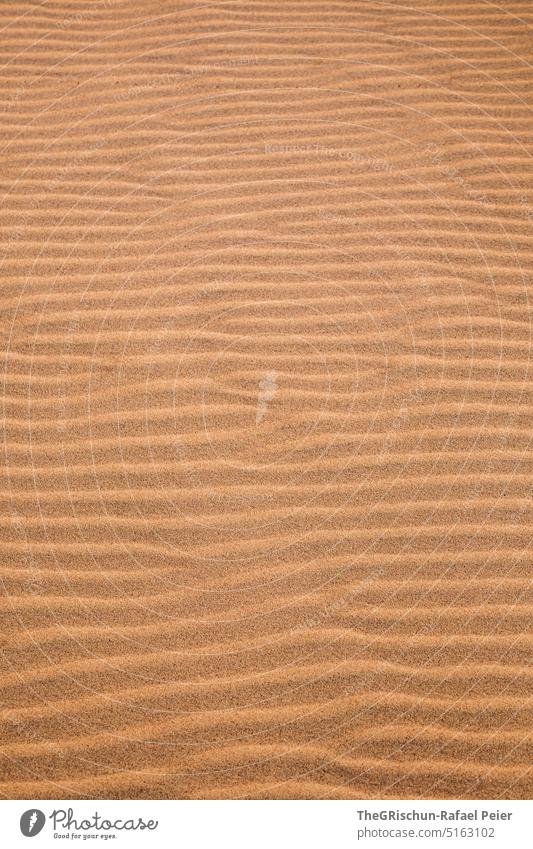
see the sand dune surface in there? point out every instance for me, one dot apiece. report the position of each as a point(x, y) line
point(266, 492)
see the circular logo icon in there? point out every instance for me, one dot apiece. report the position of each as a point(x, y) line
point(32, 822)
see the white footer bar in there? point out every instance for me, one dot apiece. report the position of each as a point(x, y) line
point(267, 824)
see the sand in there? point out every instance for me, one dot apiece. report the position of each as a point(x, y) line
point(266, 511)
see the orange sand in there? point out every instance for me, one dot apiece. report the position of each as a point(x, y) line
point(266, 510)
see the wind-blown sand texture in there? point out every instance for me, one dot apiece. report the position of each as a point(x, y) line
point(266, 501)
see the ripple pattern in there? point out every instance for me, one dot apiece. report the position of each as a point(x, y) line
point(266, 498)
